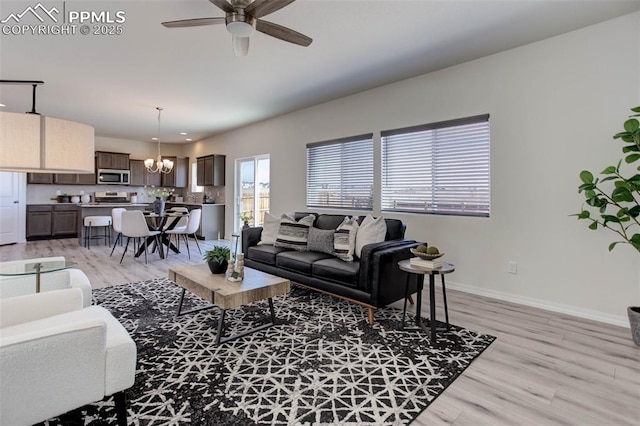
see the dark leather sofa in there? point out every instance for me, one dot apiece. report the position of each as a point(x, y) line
point(374, 280)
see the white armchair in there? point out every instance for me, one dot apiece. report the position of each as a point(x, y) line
point(56, 356)
point(11, 286)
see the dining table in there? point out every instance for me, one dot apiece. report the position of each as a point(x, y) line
point(162, 222)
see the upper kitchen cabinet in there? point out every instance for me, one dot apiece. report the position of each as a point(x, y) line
point(62, 178)
point(140, 176)
point(211, 170)
point(40, 178)
point(112, 160)
point(179, 176)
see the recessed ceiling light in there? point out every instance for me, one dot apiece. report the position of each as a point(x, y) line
point(2, 105)
point(183, 133)
point(188, 139)
point(154, 139)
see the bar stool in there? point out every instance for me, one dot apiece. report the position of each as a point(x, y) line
point(95, 222)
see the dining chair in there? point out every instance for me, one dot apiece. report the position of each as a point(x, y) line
point(192, 227)
point(116, 220)
point(182, 223)
point(134, 225)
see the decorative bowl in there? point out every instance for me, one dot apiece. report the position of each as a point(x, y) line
point(426, 256)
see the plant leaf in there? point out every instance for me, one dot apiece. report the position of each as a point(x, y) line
point(609, 170)
point(584, 214)
point(586, 176)
point(632, 158)
point(636, 109)
point(631, 125)
point(612, 245)
point(594, 225)
point(630, 148)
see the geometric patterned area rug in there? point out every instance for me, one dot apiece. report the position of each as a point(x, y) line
point(322, 364)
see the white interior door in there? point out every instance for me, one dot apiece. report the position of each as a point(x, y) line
point(9, 207)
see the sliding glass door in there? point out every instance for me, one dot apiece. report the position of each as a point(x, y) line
point(251, 191)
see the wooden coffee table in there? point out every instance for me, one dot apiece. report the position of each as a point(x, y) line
point(215, 289)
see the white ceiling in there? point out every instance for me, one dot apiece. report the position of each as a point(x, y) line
point(114, 82)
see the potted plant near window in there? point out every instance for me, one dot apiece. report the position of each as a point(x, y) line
point(614, 201)
point(245, 218)
point(217, 258)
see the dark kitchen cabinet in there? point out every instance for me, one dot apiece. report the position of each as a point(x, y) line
point(179, 176)
point(211, 170)
point(64, 220)
point(40, 178)
point(46, 221)
point(140, 176)
point(112, 160)
point(39, 221)
point(62, 178)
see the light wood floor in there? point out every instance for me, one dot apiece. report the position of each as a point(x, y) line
point(543, 369)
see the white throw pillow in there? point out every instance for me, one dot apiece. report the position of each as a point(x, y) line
point(370, 231)
point(270, 229)
point(344, 239)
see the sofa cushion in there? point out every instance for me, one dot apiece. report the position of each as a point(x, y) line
point(264, 253)
point(395, 229)
point(344, 239)
point(370, 231)
point(299, 261)
point(292, 234)
point(269, 229)
point(329, 221)
point(337, 270)
point(320, 240)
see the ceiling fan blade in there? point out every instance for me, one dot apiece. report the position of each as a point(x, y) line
point(198, 22)
point(224, 5)
point(260, 8)
point(283, 33)
point(240, 46)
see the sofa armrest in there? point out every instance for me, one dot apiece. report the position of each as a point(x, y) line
point(387, 280)
point(366, 259)
point(250, 237)
point(16, 310)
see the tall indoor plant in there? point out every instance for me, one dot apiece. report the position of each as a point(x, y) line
point(613, 201)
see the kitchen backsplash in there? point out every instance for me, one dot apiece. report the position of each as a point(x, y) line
point(44, 194)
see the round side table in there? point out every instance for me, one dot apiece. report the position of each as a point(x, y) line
point(447, 268)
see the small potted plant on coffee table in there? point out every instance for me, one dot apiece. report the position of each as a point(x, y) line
point(217, 258)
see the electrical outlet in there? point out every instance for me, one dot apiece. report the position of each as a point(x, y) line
point(513, 267)
point(58, 192)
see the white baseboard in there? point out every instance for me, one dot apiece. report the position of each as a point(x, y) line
point(619, 320)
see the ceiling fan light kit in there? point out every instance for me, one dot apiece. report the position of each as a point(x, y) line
point(242, 19)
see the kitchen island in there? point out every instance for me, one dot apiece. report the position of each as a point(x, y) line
point(212, 221)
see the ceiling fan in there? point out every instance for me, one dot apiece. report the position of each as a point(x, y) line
point(243, 19)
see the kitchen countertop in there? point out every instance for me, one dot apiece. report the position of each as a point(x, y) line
point(182, 203)
point(114, 205)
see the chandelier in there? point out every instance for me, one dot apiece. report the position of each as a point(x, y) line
point(159, 165)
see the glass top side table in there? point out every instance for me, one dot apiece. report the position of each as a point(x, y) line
point(15, 269)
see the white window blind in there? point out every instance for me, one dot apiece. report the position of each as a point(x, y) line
point(438, 168)
point(340, 173)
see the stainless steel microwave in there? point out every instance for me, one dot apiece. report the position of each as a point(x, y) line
point(113, 177)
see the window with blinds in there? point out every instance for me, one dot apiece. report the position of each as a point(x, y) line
point(440, 168)
point(340, 173)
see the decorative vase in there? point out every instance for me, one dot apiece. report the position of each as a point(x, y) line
point(86, 198)
point(158, 206)
point(634, 322)
point(216, 267)
point(246, 225)
point(75, 199)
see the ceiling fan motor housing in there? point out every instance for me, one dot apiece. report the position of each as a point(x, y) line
point(240, 24)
